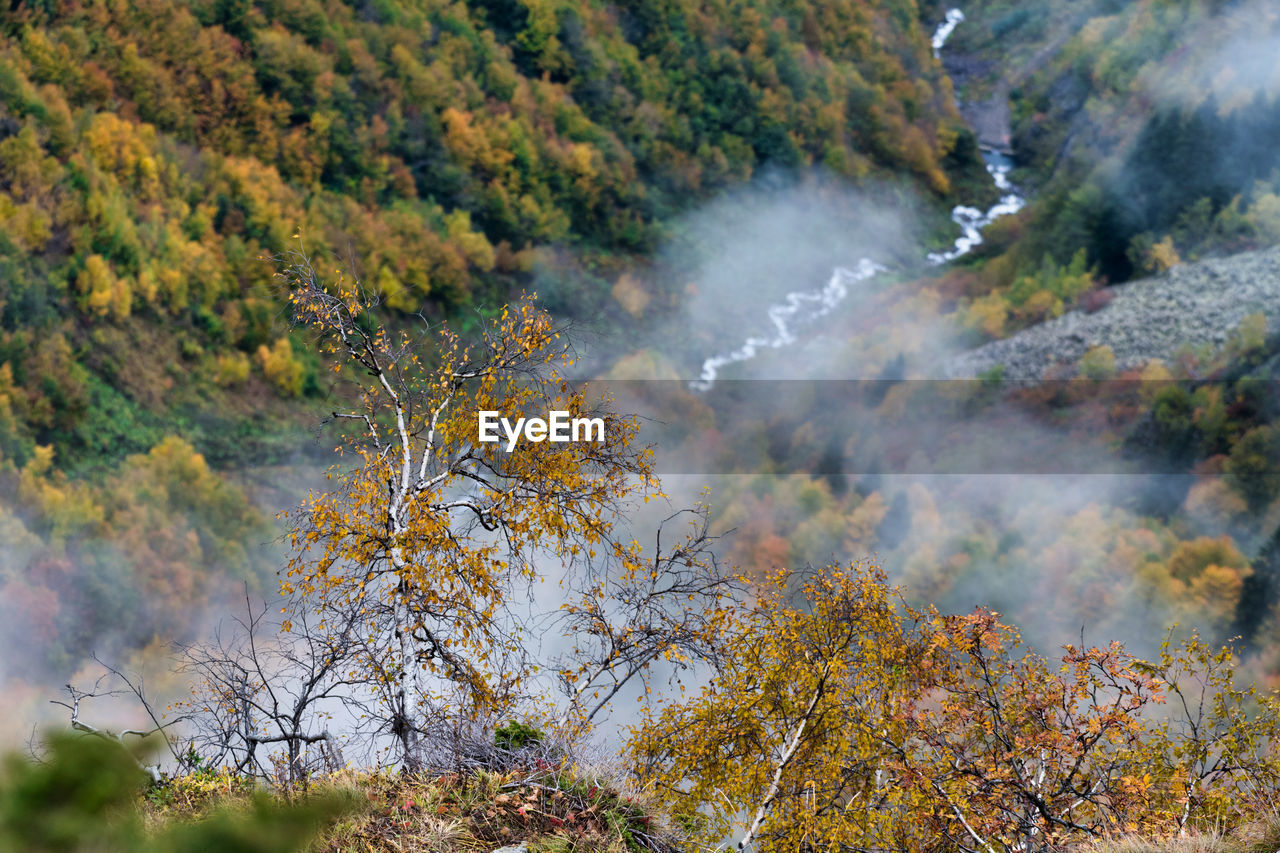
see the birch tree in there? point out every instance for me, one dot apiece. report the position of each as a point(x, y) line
point(789, 730)
point(429, 535)
point(631, 611)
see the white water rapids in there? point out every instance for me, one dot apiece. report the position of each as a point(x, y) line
point(802, 307)
point(972, 221)
point(943, 32)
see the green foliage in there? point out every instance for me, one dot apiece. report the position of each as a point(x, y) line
point(1033, 297)
point(1253, 468)
point(1137, 181)
point(992, 376)
point(1011, 21)
point(83, 796)
point(1248, 341)
point(516, 735)
point(1098, 363)
point(1062, 284)
point(67, 802)
point(268, 826)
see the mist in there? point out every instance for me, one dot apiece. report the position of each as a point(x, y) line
point(799, 380)
point(157, 553)
point(828, 437)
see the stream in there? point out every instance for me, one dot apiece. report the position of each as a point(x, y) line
point(801, 308)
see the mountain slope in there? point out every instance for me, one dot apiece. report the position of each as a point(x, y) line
point(154, 156)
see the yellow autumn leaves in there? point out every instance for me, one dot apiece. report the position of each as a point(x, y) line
point(845, 719)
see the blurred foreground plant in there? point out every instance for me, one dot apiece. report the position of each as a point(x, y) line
point(83, 794)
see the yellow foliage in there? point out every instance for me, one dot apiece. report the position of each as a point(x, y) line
point(988, 314)
point(582, 160)
point(1041, 306)
point(1193, 557)
point(233, 369)
point(1164, 256)
point(1155, 377)
point(8, 396)
point(411, 525)
point(64, 507)
point(779, 663)
point(1098, 362)
point(124, 148)
point(1249, 337)
point(281, 368)
point(1264, 216)
point(101, 291)
point(463, 140)
point(841, 718)
point(392, 290)
point(1216, 593)
point(474, 245)
point(25, 223)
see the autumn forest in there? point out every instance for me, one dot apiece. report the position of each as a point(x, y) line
point(938, 503)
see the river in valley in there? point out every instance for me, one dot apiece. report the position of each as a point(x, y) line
point(799, 310)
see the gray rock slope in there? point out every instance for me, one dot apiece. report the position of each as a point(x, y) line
point(1190, 305)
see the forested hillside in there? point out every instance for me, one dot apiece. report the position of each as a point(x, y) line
point(155, 155)
point(246, 241)
point(1144, 128)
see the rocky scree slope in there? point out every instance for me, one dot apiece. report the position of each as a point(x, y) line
point(1191, 305)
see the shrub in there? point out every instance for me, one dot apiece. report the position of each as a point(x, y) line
point(233, 369)
point(281, 368)
point(516, 735)
point(84, 796)
point(1098, 363)
point(1253, 468)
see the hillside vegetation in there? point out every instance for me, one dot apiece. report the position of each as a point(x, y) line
point(225, 222)
point(153, 155)
point(154, 152)
point(1143, 128)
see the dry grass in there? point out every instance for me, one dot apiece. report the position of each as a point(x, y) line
point(554, 810)
point(1197, 844)
point(1260, 837)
